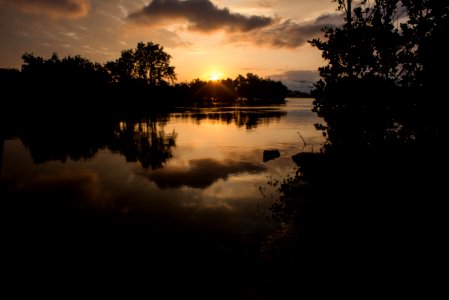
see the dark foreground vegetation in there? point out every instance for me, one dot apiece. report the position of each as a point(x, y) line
point(368, 209)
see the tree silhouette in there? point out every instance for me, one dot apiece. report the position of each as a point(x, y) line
point(138, 75)
point(379, 176)
point(67, 81)
point(147, 62)
point(252, 87)
point(10, 82)
point(379, 85)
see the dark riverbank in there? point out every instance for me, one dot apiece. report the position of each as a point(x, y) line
point(373, 219)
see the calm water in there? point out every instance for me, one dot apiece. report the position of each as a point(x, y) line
point(199, 167)
point(193, 181)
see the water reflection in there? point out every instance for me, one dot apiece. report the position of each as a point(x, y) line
point(138, 137)
point(248, 117)
point(63, 137)
point(202, 173)
point(144, 141)
point(211, 155)
point(2, 144)
point(181, 188)
point(218, 151)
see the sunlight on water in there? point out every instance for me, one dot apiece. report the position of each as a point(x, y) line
point(210, 168)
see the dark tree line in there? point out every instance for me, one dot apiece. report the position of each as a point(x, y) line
point(249, 89)
point(71, 82)
point(384, 81)
point(140, 78)
point(371, 201)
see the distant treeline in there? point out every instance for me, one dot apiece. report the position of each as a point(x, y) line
point(141, 77)
point(299, 94)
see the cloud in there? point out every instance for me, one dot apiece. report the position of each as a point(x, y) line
point(202, 15)
point(54, 8)
point(288, 33)
point(265, 3)
point(169, 39)
point(202, 173)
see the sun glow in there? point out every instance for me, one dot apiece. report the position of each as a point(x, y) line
point(215, 76)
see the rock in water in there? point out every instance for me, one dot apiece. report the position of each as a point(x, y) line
point(270, 154)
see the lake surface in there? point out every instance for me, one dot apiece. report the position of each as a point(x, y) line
point(196, 174)
point(195, 166)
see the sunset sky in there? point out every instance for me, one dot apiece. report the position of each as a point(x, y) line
point(205, 38)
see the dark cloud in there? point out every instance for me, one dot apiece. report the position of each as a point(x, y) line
point(290, 34)
point(53, 8)
point(202, 15)
point(202, 173)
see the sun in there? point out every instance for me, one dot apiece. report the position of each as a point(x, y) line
point(215, 76)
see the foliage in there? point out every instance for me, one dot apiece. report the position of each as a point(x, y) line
point(139, 75)
point(55, 83)
point(251, 88)
point(147, 62)
point(56, 73)
point(385, 67)
point(377, 183)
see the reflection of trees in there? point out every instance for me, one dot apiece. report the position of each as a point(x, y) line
point(249, 118)
point(2, 142)
point(144, 141)
point(139, 138)
point(76, 137)
point(59, 137)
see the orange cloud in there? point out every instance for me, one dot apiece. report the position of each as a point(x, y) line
point(71, 9)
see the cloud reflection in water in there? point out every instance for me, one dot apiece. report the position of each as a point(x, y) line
point(201, 173)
